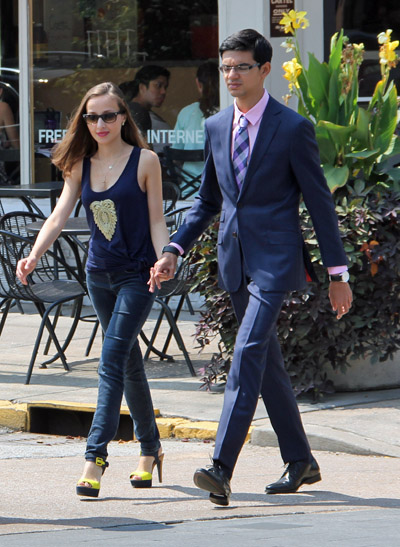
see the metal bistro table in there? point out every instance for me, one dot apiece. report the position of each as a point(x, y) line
point(50, 190)
point(75, 226)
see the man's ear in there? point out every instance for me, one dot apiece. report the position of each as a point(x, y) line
point(265, 69)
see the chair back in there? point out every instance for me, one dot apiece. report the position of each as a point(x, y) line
point(11, 250)
point(28, 203)
point(14, 247)
point(17, 221)
point(175, 218)
point(170, 194)
point(175, 160)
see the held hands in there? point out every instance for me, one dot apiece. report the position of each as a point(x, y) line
point(341, 297)
point(24, 267)
point(162, 270)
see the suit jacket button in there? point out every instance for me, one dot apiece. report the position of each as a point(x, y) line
point(234, 234)
point(239, 205)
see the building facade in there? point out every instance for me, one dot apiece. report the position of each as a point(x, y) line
point(52, 51)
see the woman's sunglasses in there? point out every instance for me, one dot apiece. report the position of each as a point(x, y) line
point(107, 117)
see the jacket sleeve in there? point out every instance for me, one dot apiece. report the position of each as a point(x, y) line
point(306, 165)
point(206, 206)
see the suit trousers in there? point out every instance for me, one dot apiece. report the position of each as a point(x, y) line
point(257, 368)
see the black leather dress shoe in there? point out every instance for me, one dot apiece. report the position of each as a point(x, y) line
point(219, 499)
point(296, 474)
point(215, 481)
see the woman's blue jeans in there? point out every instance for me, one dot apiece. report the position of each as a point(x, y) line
point(122, 303)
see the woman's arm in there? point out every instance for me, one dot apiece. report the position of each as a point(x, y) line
point(8, 122)
point(149, 178)
point(54, 224)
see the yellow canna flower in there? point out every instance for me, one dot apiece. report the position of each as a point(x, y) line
point(387, 53)
point(292, 72)
point(294, 20)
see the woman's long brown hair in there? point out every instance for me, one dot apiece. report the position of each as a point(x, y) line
point(78, 142)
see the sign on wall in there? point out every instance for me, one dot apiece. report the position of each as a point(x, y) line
point(276, 10)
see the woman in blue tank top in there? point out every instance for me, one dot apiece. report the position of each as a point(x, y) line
point(105, 160)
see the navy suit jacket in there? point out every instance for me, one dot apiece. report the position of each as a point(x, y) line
point(263, 217)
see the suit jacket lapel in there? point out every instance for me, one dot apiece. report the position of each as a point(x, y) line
point(269, 124)
point(226, 142)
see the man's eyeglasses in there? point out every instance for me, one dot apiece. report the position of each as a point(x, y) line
point(107, 117)
point(241, 69)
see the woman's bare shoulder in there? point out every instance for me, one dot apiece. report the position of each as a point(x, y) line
point(75, 175)
point(148, 156)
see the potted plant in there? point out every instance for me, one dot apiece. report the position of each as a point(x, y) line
point(358, 147)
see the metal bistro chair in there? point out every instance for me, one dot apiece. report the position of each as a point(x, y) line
point(18, 222)
point(175, 159)
point(45, 289)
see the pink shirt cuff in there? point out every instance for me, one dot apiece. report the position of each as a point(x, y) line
point(179, 247)
point(334, 270)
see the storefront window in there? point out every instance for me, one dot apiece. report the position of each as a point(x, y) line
point(362, 21)
point(9, 96)
point(79, 43)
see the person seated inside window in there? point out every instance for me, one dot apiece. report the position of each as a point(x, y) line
point(189, 127)
point(147, 91)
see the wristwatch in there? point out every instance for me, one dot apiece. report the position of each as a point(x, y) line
point(342, 277)
point(171, 249)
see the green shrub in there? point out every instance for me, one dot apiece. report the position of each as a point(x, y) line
point(310, 335)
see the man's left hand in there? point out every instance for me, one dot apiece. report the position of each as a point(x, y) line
point(341, 297)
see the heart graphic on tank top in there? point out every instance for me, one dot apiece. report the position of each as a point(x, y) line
point(105, 217)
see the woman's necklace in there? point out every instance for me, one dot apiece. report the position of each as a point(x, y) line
point(109, 167)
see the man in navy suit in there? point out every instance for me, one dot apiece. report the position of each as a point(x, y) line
point(260, 157)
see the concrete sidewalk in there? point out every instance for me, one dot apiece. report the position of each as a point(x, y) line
point(364, 423)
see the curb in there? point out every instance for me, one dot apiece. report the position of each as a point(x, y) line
point(18, 416)
point(329, 439)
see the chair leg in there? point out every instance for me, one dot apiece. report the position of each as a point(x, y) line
point(55, 321)
point(5, 310)
point(92, 337)
point(45, 322)
point(69, 337)
point(176, 316)
point(189, 304)
point(178, 337)
point(154, 333)
point(162, 356)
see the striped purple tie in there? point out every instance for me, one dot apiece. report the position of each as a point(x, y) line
point(241, 146)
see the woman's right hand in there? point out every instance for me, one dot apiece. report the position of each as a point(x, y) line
point(24, 267)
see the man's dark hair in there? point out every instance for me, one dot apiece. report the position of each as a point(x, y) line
point(248, 40)
point(208, 76)
point(146, 74)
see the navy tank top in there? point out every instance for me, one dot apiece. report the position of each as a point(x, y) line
point(119, 222)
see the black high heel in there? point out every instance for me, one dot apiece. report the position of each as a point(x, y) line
point(93, 490)
point(146, 478)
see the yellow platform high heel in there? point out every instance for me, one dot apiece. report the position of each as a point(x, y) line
point(146, 478)
point(93, 490)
